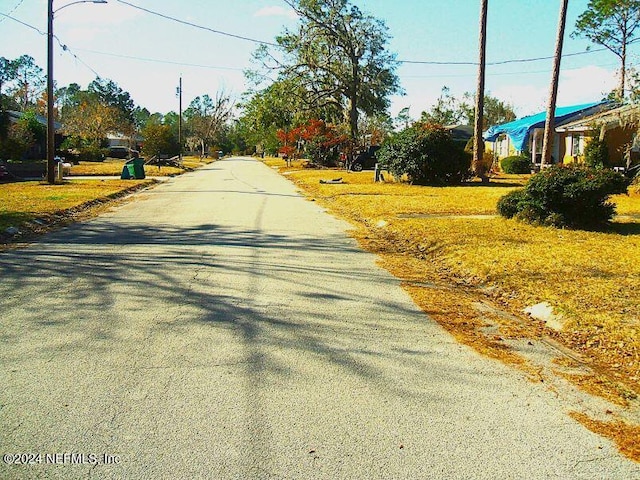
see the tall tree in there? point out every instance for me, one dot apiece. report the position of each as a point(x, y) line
point(478, 143)
point(67, 96)
point(338, 56)
point(90, 119)
point(547, 142)
point(206, 117)
point(29, 81)
point(158, 138)
point(495, 110)
point(446, 110)
point(112, 95)
point(7, 74)
point(612, 24)
point(403, 119)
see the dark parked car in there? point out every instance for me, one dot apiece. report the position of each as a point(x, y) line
point(120, 152)
point(4, 172)
point(365, 160)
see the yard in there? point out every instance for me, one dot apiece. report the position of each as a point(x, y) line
point(113, 166)
point(438, 238)
point(22, 203)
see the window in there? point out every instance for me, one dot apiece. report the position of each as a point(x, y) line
point(577, 145)
point(503, 146)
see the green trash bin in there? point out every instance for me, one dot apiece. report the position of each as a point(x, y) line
point(135, 168)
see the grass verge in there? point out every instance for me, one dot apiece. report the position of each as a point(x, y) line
point(35, 206)
point(113, 167)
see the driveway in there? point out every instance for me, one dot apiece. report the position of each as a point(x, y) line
point(222, 326)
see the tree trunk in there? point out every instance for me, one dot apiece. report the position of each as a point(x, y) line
point(353, 100)
point(478, 144)
point(547, 144)
point(623, 71)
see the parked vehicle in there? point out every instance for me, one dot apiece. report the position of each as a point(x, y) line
point(4, 173)
point(120, 152)
point(365, 160)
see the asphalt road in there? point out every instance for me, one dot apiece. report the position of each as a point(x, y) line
point(221, 326)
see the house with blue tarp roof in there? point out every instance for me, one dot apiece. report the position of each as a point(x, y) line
point(526, 134)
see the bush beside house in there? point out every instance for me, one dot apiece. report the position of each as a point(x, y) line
point(517, 164)
point(596, 153)
point(426, 154)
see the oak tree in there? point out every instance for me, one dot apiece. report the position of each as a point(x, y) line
point(338, 57)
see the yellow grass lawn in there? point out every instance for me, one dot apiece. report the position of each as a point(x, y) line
point(113, 167)
point(23, 201)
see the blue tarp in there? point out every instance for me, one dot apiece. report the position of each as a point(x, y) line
point(518, 130)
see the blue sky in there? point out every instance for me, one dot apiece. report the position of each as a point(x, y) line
point(146, 54)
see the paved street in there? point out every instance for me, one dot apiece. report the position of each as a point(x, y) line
point(221, 326)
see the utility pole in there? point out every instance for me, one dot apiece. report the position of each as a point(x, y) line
point(549, 125)
point(180, 120)
point(51, 134)
point(478, 144)
point(51, 129)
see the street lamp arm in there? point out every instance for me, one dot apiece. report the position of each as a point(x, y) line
point(79, 1)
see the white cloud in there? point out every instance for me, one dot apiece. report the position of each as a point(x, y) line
point(576, 86)
point(275, 11)
point(525, 99)
point(586, 84)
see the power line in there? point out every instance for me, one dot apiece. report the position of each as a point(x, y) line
point(157, 60)
point(23, 23)
point(12, 10)
point(407, 62)
point(62, 45)
point(184, 22)
point(501, 62)
point(66, 49)
point(531, 72)
point(416, 62)
point(505, 62)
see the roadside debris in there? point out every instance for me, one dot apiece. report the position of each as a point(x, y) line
point(335, 180)
point(544, 311)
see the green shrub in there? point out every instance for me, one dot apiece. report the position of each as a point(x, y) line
point(512, 203)
point(79, 150)
point(91, 154)
point(517, 164)
point(573, 197)
point(426, 154)
point(596, 154)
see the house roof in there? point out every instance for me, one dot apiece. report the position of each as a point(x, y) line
point(518, 130)
point(42, 120)
point(460, 132)
point(121, 136)
point(608, 119)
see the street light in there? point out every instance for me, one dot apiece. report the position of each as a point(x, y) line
point(51, 146)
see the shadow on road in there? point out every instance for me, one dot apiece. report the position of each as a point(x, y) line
point(213, 297)
point(93, 280)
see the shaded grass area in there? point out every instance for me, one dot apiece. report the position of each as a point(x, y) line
point(23, 202)
point(591, 278)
